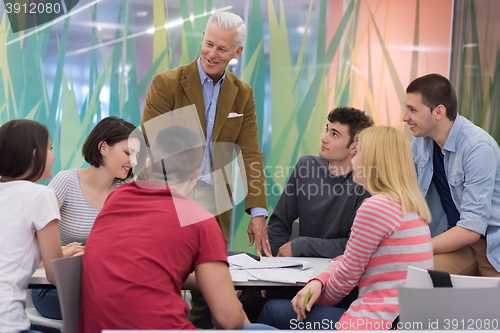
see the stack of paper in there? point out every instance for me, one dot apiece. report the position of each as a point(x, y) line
point(244, 268)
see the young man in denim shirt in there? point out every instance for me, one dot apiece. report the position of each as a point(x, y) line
point(458, 169)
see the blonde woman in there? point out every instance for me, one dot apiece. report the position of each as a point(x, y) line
point(389, 234)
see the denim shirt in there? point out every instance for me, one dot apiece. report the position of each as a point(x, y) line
point(472, 166)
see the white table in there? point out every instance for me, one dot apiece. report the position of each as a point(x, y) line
point(39, 280)
point(318, 265)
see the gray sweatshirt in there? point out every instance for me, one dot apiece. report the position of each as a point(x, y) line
point(325, 206)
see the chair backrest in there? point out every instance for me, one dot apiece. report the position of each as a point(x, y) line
point(68, 275)
point(472, 303)
point(420, 278)
point(449, 308)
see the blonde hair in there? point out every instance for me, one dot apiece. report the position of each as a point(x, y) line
point(389, 169)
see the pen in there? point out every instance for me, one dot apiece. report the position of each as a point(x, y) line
point(306, 301)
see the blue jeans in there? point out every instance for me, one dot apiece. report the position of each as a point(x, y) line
point(46, 301)
point(34, 328)
point(279, 313)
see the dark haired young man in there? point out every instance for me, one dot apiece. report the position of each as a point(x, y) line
point(458, 169)
point(147, 241)
point(321, 193)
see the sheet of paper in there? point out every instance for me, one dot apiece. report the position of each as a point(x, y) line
point(283, 275)
point(272, 274)
point(244, 268)
point(304, 275)
point(242, 261)
point(239, 275)
point(280, 262)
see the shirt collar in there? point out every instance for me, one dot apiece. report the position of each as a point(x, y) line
point(450, 144)
point(204, 76)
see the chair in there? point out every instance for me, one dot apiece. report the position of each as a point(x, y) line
point(68, 275)
point(472, 303)
point(420, 278)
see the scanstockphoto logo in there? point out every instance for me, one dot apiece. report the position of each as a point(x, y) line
point(320, 186)
point(26, 14)
point(178, 153)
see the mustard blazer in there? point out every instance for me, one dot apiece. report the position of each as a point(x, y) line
point(180, 87)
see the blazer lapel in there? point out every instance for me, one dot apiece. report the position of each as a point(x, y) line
point(191, 85)
point(227, 95)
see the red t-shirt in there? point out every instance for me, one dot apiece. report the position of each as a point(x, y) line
point(137, 257)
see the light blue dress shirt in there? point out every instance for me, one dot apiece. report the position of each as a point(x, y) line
point(210, 99)
point(472, 166)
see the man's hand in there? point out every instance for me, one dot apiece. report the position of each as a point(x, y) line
point(257, 232)
point(285, 250)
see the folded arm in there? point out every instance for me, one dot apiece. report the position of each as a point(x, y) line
point(476, 200)
point(318, 247)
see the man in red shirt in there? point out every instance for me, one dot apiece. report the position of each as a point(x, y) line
point(146, 242)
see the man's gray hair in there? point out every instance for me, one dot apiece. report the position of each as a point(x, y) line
point(229, 21)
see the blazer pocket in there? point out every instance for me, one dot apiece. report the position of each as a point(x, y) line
point(234, 115)
point(420, 166)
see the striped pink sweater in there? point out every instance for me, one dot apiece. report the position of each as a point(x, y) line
point(383, 243)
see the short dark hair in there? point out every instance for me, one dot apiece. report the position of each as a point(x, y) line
point(435, 89)
point(110, 130)
point(355, 119)
point(23, 145)
point(177, 152)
